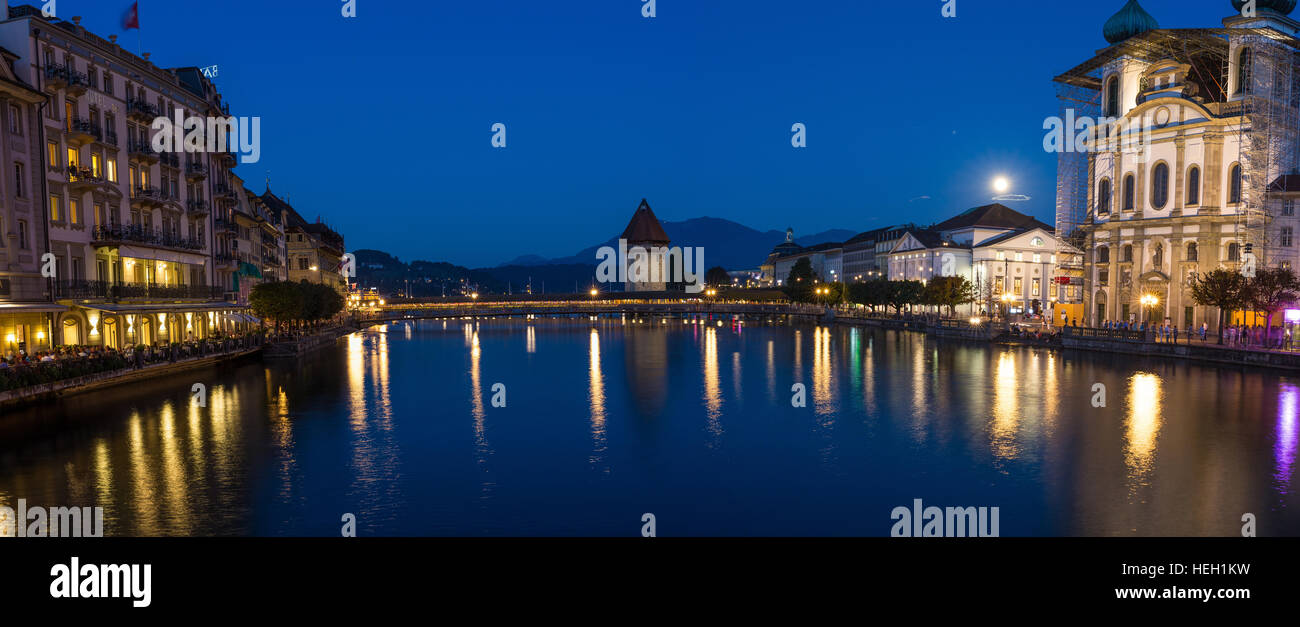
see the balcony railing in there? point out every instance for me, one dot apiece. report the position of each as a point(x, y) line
point(141, 108)
point(137, 233)
point(142, 148)
point(78, 126)
point(196, 169)
point(83, 175)
point(146, 193)
point(170, 158)
point(114, 290)
point(198, 205)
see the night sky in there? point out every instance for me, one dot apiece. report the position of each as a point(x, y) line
point(382, 124)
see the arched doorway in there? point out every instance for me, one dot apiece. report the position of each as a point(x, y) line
point(72, 333)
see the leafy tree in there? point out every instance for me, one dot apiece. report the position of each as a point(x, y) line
point(280, 301)
point(799, 286)
point(1221, 288)
point(717, 277)
point(871, 293)
point(950, 292)
point(901, 294)
point(1270, 291)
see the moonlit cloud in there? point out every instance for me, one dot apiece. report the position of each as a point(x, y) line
point(1011, 198)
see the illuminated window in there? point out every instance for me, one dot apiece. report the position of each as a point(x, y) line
point(55, 214)
point(1019, 286)
point(1034, 287)
point(96, 164)
point(74, 211)
point(1020, 256)
point(112, 169)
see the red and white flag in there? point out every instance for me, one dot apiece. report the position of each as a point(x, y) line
point(131, 19)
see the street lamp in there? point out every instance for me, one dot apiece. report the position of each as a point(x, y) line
point(1149, 302)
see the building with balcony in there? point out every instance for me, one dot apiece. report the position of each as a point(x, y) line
point(313, 251)
point(131, 230)
point(259, 243)
point(26, 309)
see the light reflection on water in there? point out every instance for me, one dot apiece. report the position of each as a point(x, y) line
point(607, 419)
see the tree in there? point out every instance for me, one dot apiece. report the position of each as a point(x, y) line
point(1221, 288)
point(1270, 291)
point(279, 301)
point(871, 293)
point(717, 277)
point(900, 294)
point(950, 292)
point(799, 286)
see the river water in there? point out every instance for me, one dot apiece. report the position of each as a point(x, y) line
point(604, 421)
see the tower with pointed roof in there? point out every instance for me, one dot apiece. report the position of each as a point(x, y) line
point(645, 232)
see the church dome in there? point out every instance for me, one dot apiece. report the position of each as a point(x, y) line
point(1132, 20)
point(1281, 6)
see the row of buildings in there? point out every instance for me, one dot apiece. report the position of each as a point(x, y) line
point(1017, 264)
point(105, 241)
point(1189, 162)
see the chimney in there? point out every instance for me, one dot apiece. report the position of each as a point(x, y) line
point(146, 55)
point(76, 19)
point(112, 39)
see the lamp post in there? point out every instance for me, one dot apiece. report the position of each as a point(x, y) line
point(1149, 302)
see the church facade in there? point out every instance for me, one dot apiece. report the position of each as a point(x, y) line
point(1187, 167)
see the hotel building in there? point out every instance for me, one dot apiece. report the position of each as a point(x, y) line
point(142, 242)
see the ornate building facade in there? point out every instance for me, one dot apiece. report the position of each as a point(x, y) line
point(1186, 167)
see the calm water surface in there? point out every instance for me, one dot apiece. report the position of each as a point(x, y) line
point(607, 420)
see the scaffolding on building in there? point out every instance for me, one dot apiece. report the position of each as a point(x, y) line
point(1267, 138)
point(1267, 132)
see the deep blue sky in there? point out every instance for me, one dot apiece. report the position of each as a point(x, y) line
point(381, 124)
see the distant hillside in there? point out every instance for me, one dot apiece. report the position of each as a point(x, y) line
point(728, 244)
point(379, 269)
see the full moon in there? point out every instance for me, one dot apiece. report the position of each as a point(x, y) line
point(1001, 184)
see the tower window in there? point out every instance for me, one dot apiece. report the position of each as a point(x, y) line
point(1160, 185)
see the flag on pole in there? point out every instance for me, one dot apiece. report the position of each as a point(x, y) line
point(131, 19)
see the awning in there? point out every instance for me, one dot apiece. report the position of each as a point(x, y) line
point(22, 308)
point(158, 254)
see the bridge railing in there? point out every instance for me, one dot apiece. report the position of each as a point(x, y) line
point(390, 312)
